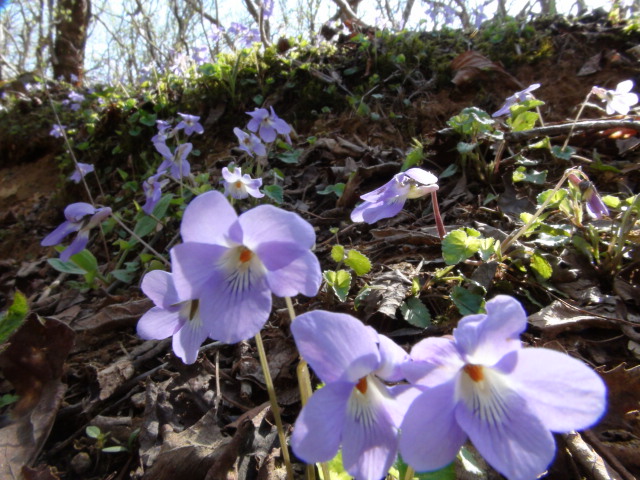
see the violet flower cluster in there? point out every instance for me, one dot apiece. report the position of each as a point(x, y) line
point(264, 126)
point(225, 273)
point(80, 217)
point(517, 97)
point(388, 200)
point(481, 385)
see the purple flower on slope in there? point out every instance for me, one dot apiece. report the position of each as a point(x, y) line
point(164, 132)
point(517, 97)
point(240, 186)
point(619, 100)
point(388, 200)
point(250, 143)
point(355, 408)
point(190, 124)
point(57, 130)
point(507, 399)
point(171, 316)
point(594, 204)
point(268, 125)
point(233, 264)
point(81, 170)
point(80, 217)
point(176, 163)
point(152, 187)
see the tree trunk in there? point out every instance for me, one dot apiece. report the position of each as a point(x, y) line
point(72, 21)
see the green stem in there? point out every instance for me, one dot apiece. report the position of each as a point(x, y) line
point(566, 142)
point(512, 238)
point(137, 237)
point(275, 409)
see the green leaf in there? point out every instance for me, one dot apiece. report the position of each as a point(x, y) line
point(115, 449)
point(523, 121)
point(336, 469)
point(468, 303)
point(66, 267)
point(562, 153)
point(124, 275)
point(541, 266)
point(93, 432)
point(338, 189)
point(521, 174)
point(487, 248)
point(337, 253)
point(14, 316)
point(414, 157)
point(415, 312)
point(464, 147)
point(148, 119)
point(148, 224)
point(290, 157)
point(8, 399)
point(340, 282)
point(612, 201)
point(85, 260)
point(460, 244)
point(274, 192)
point(358, 262)
point(399, 471)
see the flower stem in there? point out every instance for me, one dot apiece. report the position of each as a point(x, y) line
point(566, 142)
point(408, 475)
point(275, 409)
point(304, 385)
point(515, 236)
point(137, 237)
point(436, 215)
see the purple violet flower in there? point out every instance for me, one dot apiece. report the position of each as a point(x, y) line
point(267, 124)
point(57, 130)
point(619, 100)
point(250, 143)
point(171, 317)
point(355, 408)
point(505, 398)
point(200, 55)
point(190, 124)
point(176, 163)
point(517, 97)
point(81, 170)
point(75, 99)
point(240, 186)
point(594, 204)
point(80, 217)
point(152, 187)
point(164, 132)
point(388, 200)
point(233, 264)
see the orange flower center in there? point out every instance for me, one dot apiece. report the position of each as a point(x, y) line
point(245, 255)
point(475, 372)
point(238, 184)
point(362, 385)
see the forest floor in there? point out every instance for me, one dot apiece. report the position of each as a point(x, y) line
point(84, 366)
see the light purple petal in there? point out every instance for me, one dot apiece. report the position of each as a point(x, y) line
point(76, 246)
point(187, 341)
point(372, 212)
point(61, 231)
point(337, 346)
point(76, 211)
point(485, 339)
point(369, 447)
point(233, 314)
point(422, 176)
point(158, 324)
point(193, 267)
point(303, 275)
point(517, 445)
point(207, 219)
point(266, 223)
point(163, 150)
point(563, 392)
point(429, 435)
point(318, 430)
point(435, 360)
point(158, 286)
point(267, 133)
point(392, 357)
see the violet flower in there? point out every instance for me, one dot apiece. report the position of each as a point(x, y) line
point(594, 204)
point(517, 97)
point(355, 408)
point(505, 398)
point(619, 100)
point(250, 143)
point(388, 200)
point(190, 124)
point(152, 187)
point(176, 163)
point(80, 217)
point(233, 264)
point(75, 99)
point(81, 170)
point(171, 317)
point(164, 132)
point(267, 124)
point(240, 186)
point(57, 130)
